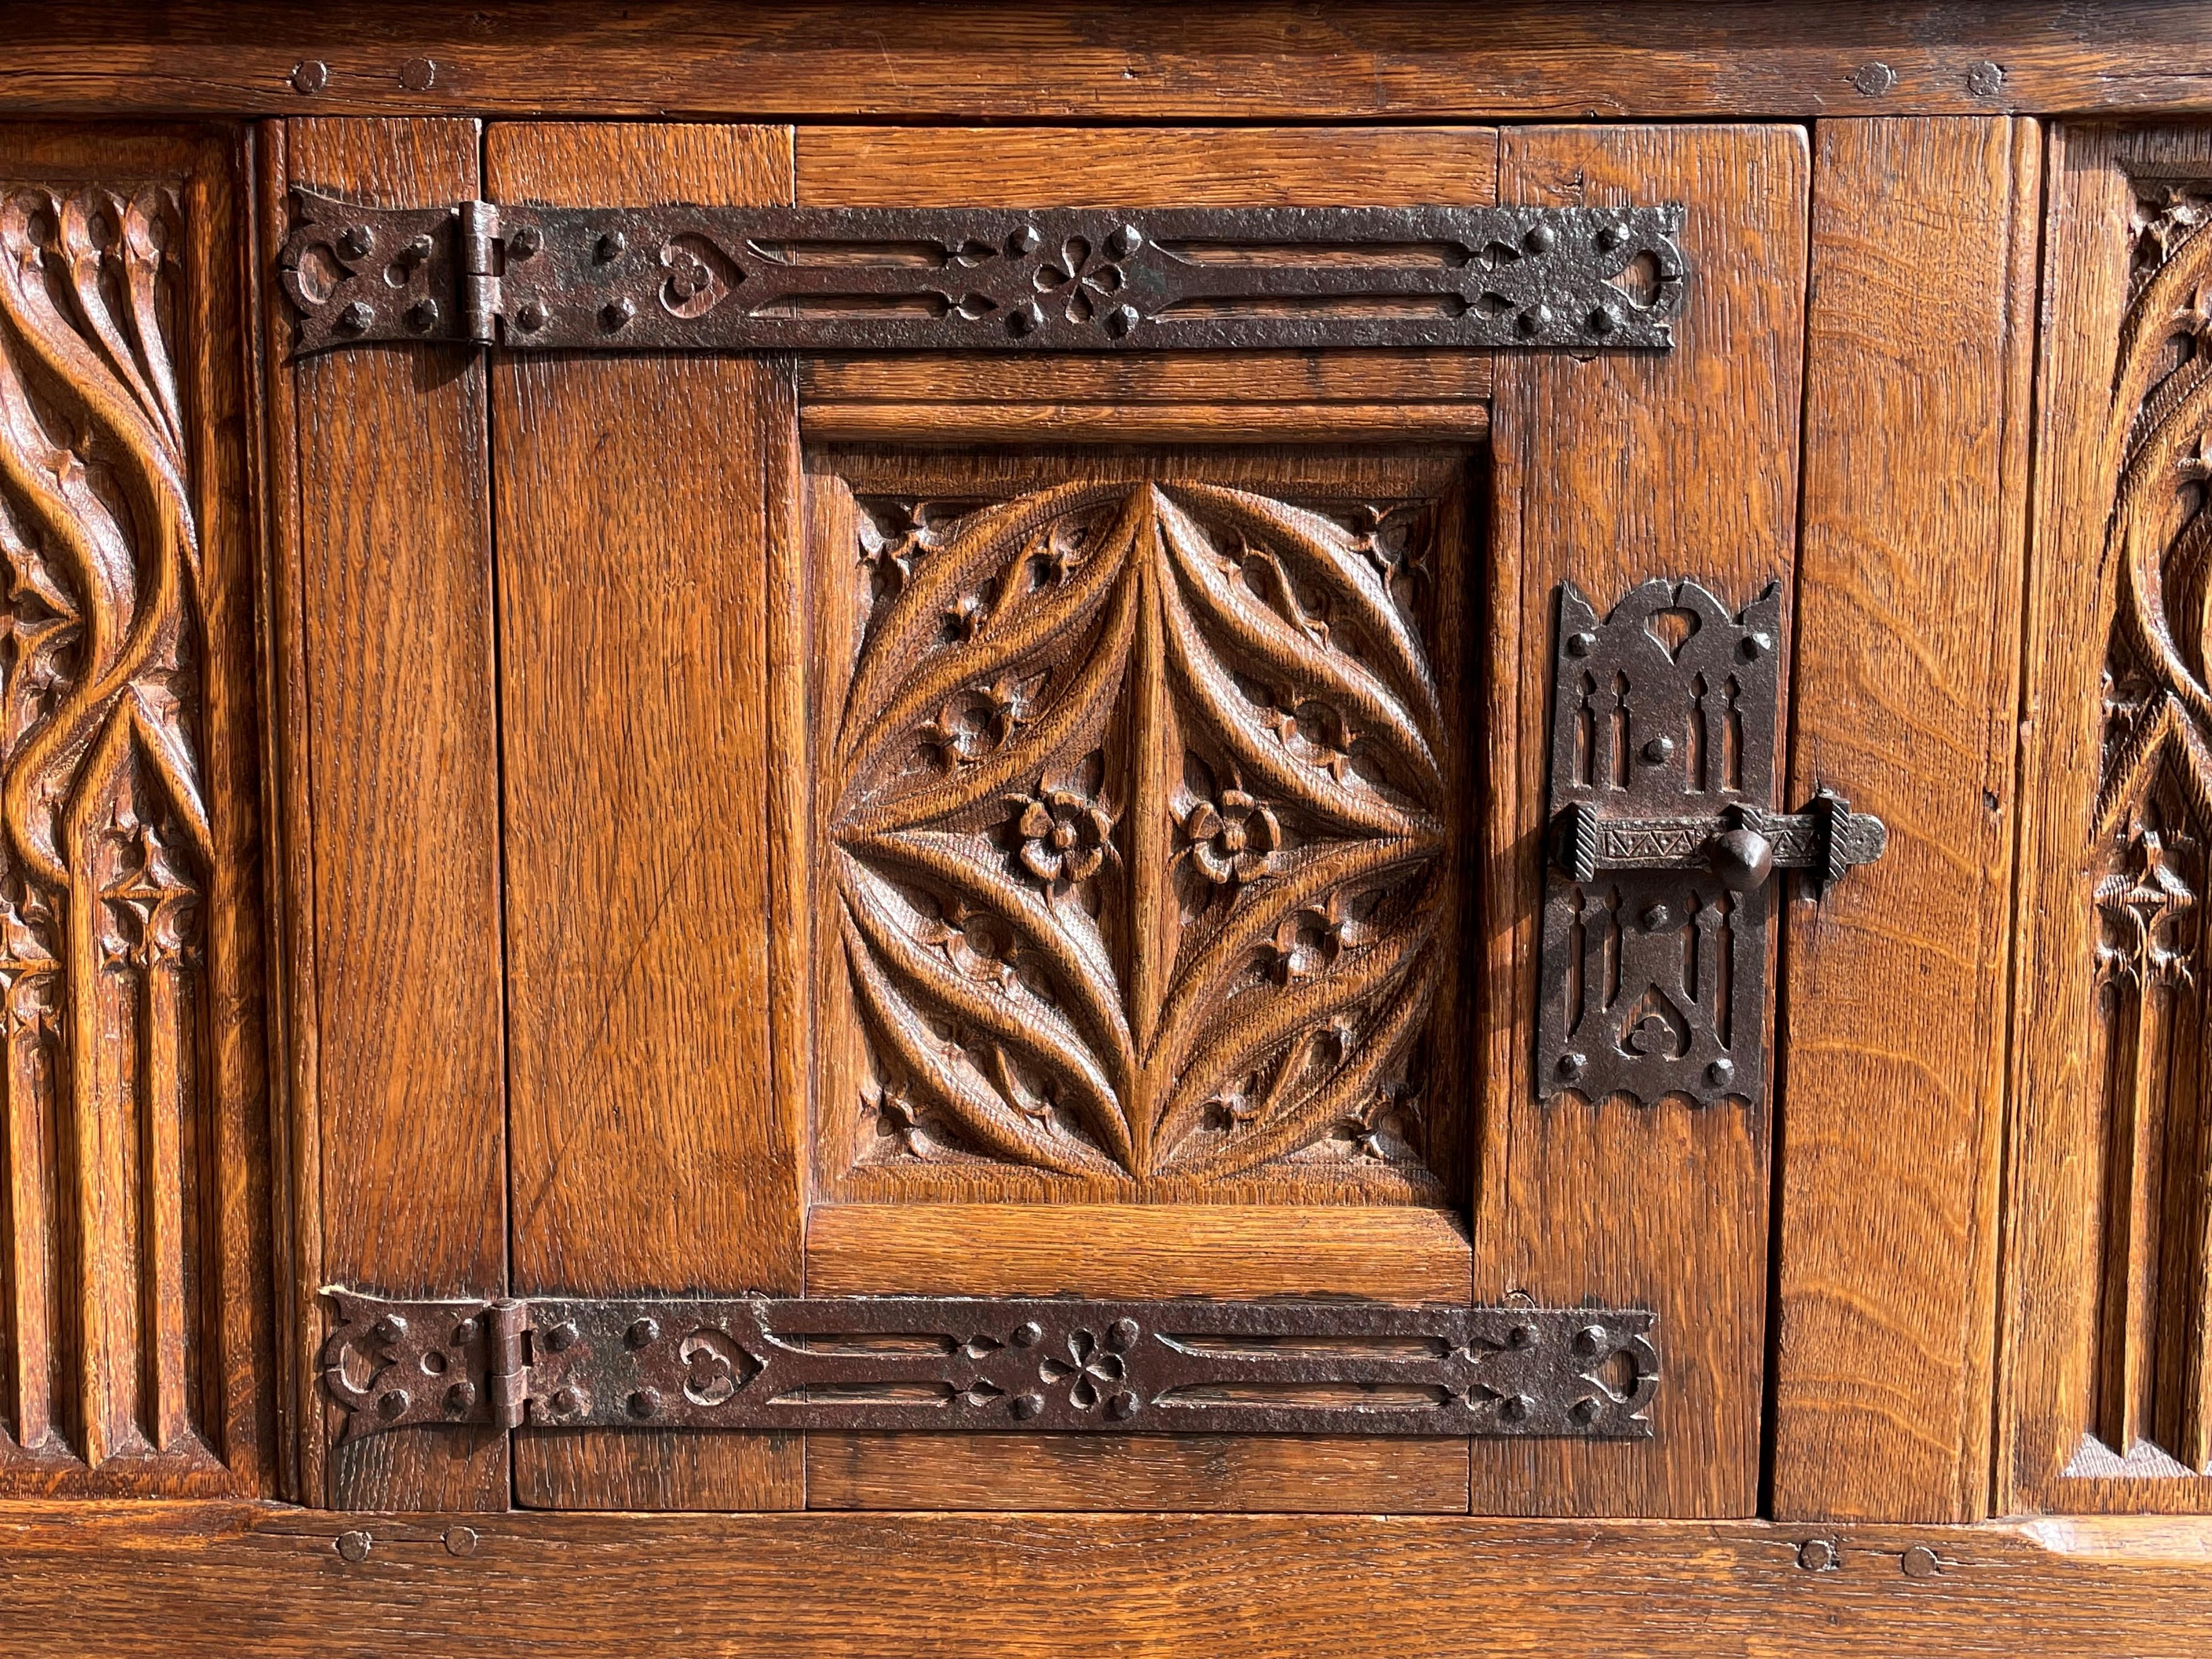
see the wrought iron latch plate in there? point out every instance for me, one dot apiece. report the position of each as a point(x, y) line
point(1663, 842)
point(1057, 279)
point(974, 1366)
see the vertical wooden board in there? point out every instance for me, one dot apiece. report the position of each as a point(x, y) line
point(1892, 1053)
point(403, 794)
point(651, 1151)
point(1610, 471)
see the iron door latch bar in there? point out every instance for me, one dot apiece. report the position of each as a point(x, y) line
point(1663, 845)
point(1054, 279)
point(894, 1363)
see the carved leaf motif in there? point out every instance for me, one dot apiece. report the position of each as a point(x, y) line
point(1264, 634)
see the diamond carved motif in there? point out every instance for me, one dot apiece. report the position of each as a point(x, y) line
point(1139, 843)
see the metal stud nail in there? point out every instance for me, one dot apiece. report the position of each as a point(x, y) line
point(616, 314)
point(1026, 1405)
point(524, 242)
point(391, 1403)
point(1920, 1562)
point(1592, 1340)
point(1603, 321)
point(1533, 322)
point(563, 1335)
point(423, 316)
point(1541, 239)
point(1985, 79)
point(1521, 1336)
point(464, 1333)
point(354, 1545)
point(567, 1401)
point(1028, 239)
point(310, 75)
point(1028, 1333)
point(645, 1403)
point(1122, 1335)
point(356, 317)
point(1656, 918)
point(1585, 1410)
point(1659, 751)
point(611, 248)
point(1816, 1555)
point(1582, 644)
point(534, 316)
point(1515, 1407)
point(1025, 318)
point(1124, 241)
point(1721, 1073)
point(1121, 1407)
point(459, 1398)
point(1120, 321)
point(389, 1329)
point(419, 248)
point(1571, 1066)
point(356, 240)
point(642, 1332)
point(460, 1540)
point(1752, 646)
point(1874, 79)
point(418, 74)
point(1610, 237)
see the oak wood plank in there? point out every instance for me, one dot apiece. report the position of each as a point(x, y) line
point(650, 1152)
point(1274, 59)
point(401, 739)
point(1226, 423)
point(244, 1582)
point(1609, 471)
point(1383, 1253)
point(1891, 1063)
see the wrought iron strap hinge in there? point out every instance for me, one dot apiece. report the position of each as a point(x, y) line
point(1663, 845)
point(895, 1363)
point(1062, 279)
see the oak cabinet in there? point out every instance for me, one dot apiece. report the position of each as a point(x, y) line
point(1359, 838)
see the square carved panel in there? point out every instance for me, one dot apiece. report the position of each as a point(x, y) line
point(1140, 786)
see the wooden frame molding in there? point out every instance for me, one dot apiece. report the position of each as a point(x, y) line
point(244, 1581)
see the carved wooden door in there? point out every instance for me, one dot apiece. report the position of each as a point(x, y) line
point(1022, 824)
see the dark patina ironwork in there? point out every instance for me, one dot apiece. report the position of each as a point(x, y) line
point(997, 1364)
point(1663, 846)
point(1054, 279)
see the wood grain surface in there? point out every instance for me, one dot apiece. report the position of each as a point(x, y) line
point(1611, 470)
point(650, 1152)
point(1891, 1062)
point(1413, 60)
point(244, 1583)
point(403, 801)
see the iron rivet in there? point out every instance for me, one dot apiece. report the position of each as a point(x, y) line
point(460, 1540)
point(1541, 239)
point(616, 312)
point(611, 248)
point(1603, 320)
point(533, 316)
point(1026, 1405)
point(460, 1397)
point(567, 1401)
point(1533, 321)
point(1721, 1073)
point(1122, 1406)
point(1656, 918)
point(1028, 239)
point(1581, 644)
point(1585, 1410)
point(1983, 79)
point(353, 1545)
point(1591, 1341)
point(1874, 79)
point(1521, 1336)
point(644, 1403)
point(1122, 1335)
point(418, 74)
point(356, 240)
point(389, 1329)
point(524, 242)
point(418, 248)
point(1028, 1333)
point(423, 316)
point(392, 1402)
point(1026, 320)
point(1659, 751)
point(1125, 241)
point(464, 1333)
point(310, 75)
point(1515, 1407)
point(1570, 1066)
point(1816, 1555)
point(1920, 1562)
point(643, 1333)
point(356, 317)
point(562, 1336)
point(1120, 321)
point(1753, 647)
point(1610, 237)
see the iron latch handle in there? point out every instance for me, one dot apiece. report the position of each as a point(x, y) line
point(1740, 845)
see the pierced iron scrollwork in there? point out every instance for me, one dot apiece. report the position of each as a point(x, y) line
point(972, 1365)
point(1059, 279)
point(1663, 843)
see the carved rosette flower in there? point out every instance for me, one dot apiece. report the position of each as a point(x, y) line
point(1080, 282)
point(1232, 840)
point(1064, 836)
point(1310, 941)
point(1093, 1372)
point(977, 725)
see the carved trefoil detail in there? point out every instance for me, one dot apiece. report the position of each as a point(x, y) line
point(1142, 793)
point(104, 1049)
point(2146, 871)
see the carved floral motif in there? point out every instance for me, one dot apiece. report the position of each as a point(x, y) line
point(1139, 833)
